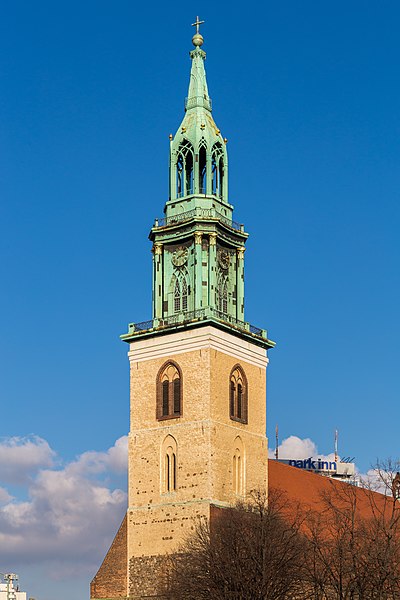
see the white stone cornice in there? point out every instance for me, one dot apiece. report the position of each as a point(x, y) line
point(191, 340)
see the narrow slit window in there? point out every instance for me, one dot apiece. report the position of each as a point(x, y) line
point(221, 177)
point(168, 472)
point(202, 171)
point(189, 173)
point(225, 298)
point(173, 472)
point(232, 398)
point(214, 171)
point(165, 398)
point(239, 475)
point(239, 400)
point(177, 297)
point(177, 396)
point(179, 177)
point(217, 168)
point(184, 295)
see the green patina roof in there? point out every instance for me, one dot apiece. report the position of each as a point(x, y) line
point(198, 121)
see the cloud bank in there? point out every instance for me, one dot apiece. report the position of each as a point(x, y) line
point(72, 511)
point(22, 457)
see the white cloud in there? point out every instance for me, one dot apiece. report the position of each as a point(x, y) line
point(295, 447)
point(4, 496)
point(373, 480)
point(115, 460)
point(70, 516)
point(22, 457)
point(381, 477)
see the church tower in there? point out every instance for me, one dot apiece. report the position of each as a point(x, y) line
point(197, 437)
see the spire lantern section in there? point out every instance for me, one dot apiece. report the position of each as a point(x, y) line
point(198, 157)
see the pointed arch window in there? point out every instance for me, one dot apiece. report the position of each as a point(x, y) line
point(169, 391)
point(169, 465)
point(170, 471)
point(238, 401)
point(222, 296)
point(238, 471)
point(181, 292)
point(217, 169)
point(215, 178)
point(179, 176)
point(221, 169)
point(202, 167)
point(189, 172)
point(184, 169)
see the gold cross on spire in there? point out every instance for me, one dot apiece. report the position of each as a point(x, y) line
point(197, 24)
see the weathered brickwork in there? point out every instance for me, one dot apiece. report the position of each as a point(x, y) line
point(148, 577)
point(110, 580)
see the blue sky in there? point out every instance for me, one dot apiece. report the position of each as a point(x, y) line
point(308, 96)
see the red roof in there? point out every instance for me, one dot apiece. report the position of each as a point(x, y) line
point(308, 489)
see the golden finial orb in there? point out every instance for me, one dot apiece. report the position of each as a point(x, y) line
point(197, 39)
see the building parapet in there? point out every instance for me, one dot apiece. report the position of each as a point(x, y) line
point(195, 316)
point(198, 213)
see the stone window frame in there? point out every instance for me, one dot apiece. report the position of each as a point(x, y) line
point(241, 416)
point(160, 395)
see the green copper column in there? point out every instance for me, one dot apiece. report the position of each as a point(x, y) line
point(172, 173)
point(153, 295)
point(240, 283)
point(198, 270)
point(225, 175)
point(157, 281)
point(212, 262)
point(209, 173)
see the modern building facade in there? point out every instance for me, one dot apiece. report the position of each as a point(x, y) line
point(197, 438)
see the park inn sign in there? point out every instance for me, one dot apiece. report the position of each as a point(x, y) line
point(318, 465)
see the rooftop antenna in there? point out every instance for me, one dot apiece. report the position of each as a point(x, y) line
point(276, 442)
point(10, 579)
point(336, 444)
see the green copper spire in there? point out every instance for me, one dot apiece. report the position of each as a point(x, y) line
point(198, 160)
point(198, 250)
